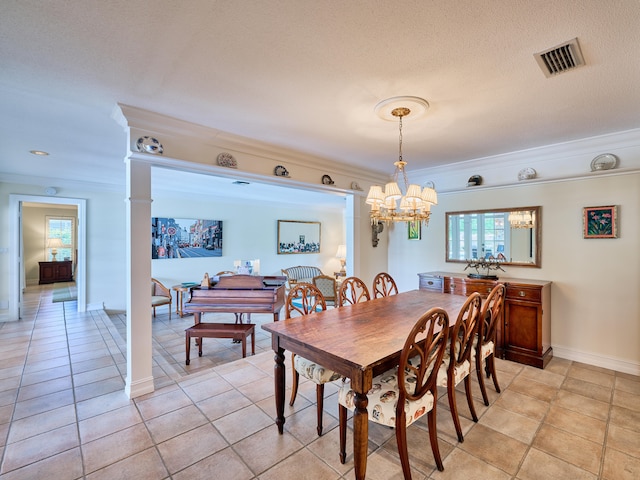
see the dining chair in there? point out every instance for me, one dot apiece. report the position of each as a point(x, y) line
point(384, 285)
point(353, 290)
point(456, 366)
point(160, 295)
point(328, 288)
point(490, 315)
point(303, 299)
point(402, 395)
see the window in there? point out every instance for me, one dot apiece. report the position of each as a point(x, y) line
point(62, 228)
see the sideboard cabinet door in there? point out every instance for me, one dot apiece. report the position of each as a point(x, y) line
point(527, 324)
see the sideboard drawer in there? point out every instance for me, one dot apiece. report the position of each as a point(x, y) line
point(520, 292)
point(428, 282)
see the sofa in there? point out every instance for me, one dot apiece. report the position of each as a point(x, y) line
point(300, 274)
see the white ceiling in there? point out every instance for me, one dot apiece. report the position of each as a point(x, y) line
point(307, 75)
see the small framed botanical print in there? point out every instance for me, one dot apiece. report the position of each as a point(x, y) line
point(600, 222)
point(414, 229)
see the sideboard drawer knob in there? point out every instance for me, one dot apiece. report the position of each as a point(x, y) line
point(521, 293)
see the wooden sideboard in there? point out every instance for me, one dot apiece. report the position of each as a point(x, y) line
point(524, 334)
point(52, 272)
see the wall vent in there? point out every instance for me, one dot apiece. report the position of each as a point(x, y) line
point(560, 59)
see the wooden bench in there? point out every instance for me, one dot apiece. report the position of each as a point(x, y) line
point(237, 331)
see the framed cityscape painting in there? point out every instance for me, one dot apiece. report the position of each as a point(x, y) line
point(185, 238)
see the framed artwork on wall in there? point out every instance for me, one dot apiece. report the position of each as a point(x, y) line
point(415, 229)
point(185, 238)
point(298, 237)
point(600, 222)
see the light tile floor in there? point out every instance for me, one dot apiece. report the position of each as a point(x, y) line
point(64, 415)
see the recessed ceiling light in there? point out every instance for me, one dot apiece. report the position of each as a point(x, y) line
point(39, 152)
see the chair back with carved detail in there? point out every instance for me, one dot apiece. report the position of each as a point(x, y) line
point(490, 315)
point(384, 285)
point(353, 290)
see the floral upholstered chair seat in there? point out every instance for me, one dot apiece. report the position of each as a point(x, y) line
point(383, 398)
point(460, 371)
point(314, 372)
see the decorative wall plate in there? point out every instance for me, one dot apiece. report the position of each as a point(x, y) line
point(280, 171)
point(355, 186)
point(606, 161)
point(527, 174)
point(474, 181)
point(227, 160)
point(326, 180)
point(149, 145)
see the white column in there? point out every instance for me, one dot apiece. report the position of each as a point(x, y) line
point(138, 257)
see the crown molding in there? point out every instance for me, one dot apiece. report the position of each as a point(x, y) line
point(558, 162)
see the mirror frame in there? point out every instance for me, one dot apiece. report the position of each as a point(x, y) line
point(537, 263)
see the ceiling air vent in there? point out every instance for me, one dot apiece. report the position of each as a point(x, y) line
point(560, 59)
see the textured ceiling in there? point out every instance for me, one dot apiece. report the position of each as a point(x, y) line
point(306, 74)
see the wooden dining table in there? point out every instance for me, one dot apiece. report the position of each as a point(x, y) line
point(357, 341)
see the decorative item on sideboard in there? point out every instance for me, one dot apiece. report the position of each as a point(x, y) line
point(488, 264)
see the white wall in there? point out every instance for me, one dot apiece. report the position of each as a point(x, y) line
point(249, 232)
point(595, 301)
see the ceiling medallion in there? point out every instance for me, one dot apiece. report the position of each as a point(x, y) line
point(415, 203)
point(417, 107)
point(149, 145)
point(227, 160)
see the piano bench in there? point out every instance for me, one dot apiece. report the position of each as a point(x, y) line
point(237, 331)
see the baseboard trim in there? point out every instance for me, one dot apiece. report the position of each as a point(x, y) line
point(139, 387)
point(617, 364)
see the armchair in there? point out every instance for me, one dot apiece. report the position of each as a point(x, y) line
point(160, 295)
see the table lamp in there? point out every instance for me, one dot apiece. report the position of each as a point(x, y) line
point(342, 255)
point(54, 244)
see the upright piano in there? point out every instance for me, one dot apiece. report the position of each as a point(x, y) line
point(239, 294)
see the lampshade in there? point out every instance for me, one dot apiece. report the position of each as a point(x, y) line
point(54, 243)
point(375, 196)
point(342, 251)
point(392, 190)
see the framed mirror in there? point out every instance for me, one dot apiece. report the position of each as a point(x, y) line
point(512, 234)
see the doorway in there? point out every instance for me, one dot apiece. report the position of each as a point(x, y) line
point(16, 250)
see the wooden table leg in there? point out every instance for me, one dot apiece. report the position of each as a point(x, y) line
point(188, 347)
point(179, 303)
point(360, 435)
point(279, 378)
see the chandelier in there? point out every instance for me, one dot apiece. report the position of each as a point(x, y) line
point(391, 205)
point(522, 219)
